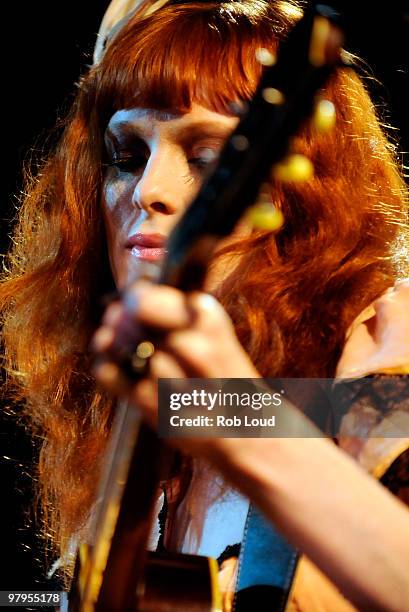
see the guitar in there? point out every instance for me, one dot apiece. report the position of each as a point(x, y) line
point(116, 572)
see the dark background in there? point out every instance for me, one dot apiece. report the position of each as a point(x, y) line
point(46, 45)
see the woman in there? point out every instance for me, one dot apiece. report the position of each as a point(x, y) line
point(142, 134)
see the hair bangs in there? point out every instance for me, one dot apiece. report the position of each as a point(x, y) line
point(180, 55)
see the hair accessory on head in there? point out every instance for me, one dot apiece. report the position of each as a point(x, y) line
point(115, 17)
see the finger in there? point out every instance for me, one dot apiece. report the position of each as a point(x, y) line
point(402, 283)
point(201, 357)
point(392, 308)
point(158, 306)
point(119, 332)
point(205, 346)
point(210, 346)
point(194, 351)
point(144, 396)
point(165, 365)
point(110, 377)
point(209, 314)
point(103, 339)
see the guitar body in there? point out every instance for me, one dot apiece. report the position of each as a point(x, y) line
point(173, 582)
point(180, 582)
point(137, 580)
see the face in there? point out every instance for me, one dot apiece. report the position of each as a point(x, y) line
point(156, 164)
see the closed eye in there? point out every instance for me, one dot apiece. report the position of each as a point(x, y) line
point(204, 158)
point(199, 162)
point(127, 162)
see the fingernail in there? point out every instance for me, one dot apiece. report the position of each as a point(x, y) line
point(208, 302)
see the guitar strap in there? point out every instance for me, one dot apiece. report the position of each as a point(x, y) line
point(267, 564)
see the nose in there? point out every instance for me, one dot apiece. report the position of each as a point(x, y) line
point(162, 189)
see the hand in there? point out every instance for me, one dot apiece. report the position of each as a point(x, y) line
point(381, 342)
point(193, 337)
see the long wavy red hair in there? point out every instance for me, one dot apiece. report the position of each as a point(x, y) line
point(291, 297)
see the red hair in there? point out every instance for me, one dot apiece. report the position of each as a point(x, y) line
point(293, 294)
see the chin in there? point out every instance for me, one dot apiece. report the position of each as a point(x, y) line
point(133, 268)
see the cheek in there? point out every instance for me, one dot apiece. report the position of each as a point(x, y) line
point(117, 203)
point(117, 210)
point(111, 216)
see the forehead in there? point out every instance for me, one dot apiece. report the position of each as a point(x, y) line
point(148, 120)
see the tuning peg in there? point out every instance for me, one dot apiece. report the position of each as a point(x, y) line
point(324, 117)
point(321, 32)
point(265, 216)
point(273, 95)
point(265, 57)
point(295, 168)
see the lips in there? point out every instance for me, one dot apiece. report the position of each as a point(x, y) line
point(154, 241)
point(150, 247)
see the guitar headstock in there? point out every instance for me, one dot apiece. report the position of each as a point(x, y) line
point(260, 146)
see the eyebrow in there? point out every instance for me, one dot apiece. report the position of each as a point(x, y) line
point(184, 133)
point(203, 129)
